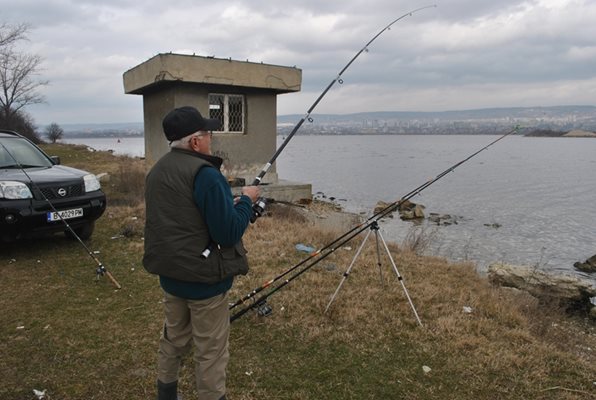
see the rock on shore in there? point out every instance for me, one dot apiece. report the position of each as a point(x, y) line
point(587, 266)
point(543, 285)
point(407, 209)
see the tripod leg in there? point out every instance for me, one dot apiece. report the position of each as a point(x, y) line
point(379, 257)
point(347, 273)
point(400, 279)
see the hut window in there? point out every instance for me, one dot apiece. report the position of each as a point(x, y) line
point(229, 109)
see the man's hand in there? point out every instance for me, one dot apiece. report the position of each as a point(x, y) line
point(252, 192)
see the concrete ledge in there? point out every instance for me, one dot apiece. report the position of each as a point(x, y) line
point(284, 191)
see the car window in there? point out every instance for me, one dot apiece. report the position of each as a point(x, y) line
point(17, 152)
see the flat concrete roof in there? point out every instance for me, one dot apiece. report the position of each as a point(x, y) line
point(210, 70)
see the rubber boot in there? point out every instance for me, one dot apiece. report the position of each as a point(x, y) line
point(167, 391)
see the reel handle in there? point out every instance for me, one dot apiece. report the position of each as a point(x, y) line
point(258, 209)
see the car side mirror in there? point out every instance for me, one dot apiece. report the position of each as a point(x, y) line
point(55, 159)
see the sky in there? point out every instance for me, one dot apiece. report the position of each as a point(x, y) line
point(461, 54)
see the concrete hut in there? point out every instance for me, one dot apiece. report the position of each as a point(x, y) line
point(242, 95)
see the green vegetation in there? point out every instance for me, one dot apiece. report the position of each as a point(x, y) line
point(79, 338)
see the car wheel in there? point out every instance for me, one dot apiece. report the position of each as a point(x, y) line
point(84, 231)
point(8, 238)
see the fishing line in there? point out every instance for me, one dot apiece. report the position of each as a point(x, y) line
point(101, 269)
point(260, 204)
point(330, 248)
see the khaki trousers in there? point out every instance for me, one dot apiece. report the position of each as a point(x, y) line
point(206, 323)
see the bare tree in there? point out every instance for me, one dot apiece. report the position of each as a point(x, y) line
point(18, 88)
point(23, 123)
point(11, 33)
point(54, 132)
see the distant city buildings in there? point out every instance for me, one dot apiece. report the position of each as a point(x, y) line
point(488, 121)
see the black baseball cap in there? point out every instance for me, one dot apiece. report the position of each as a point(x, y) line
point(183, 121)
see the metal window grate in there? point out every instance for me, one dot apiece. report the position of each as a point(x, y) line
point(229, 110)
point(216, 108)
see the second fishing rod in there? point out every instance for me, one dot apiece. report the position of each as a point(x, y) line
point(330, 248)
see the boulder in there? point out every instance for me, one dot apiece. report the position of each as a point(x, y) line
point(587, 266)
point(382, 205)
point(444, 219)
point(407, 209)
point(416, 211)
point(542, 284)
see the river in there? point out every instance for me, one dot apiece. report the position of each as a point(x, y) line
point(523, 200)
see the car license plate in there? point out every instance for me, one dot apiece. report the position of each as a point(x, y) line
point(65, 214)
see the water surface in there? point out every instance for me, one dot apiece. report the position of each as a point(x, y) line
point(540, 192)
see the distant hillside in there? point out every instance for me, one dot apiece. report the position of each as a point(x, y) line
point(125, 129)
point(480, 121)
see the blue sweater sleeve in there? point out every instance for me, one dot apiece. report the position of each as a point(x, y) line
point(225, 220)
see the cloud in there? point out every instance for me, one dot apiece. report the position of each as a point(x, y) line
point(461, 54)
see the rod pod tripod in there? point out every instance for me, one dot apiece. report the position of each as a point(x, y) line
point(374, 227)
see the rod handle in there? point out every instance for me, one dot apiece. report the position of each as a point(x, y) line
point(113, 280)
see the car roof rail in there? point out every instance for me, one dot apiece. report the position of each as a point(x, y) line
point(9, 132)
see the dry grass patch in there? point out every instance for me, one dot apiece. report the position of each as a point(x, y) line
point(64, 331)
point(497, 348)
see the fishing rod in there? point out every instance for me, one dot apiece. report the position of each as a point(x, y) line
point(101, 269)
point(330, 248)
point(261, 203)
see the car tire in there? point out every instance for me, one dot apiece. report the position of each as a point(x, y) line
point(8, 238)
point(84, 232)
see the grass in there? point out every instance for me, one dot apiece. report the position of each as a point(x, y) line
point(74, 335)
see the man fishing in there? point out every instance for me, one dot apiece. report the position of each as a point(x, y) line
point(190, 208)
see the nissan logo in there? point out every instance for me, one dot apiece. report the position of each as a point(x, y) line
point(62, 192)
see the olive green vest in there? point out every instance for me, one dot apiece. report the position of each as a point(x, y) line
point(175, 231)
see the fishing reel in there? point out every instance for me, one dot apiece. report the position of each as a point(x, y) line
point(99, 271)
point(263, 309)
point(258, 209)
